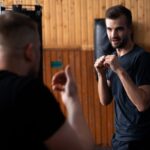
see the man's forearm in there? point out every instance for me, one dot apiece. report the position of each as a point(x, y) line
point(104, 90)
point(79, 124)
point(136, 95)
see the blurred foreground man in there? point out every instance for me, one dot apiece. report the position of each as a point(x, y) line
point(30, 117)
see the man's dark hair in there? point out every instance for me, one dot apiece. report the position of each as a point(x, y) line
point(118, 10)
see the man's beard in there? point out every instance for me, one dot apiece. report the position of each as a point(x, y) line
point(122, 44)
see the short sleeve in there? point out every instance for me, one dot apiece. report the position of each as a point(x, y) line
point(39, 104)
point(142, 76)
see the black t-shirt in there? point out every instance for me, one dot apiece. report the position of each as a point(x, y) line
point(29, 113)
point(129, 122)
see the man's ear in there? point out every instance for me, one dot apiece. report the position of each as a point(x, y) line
point(29, 54)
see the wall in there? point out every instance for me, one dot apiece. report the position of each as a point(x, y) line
point(69, 23)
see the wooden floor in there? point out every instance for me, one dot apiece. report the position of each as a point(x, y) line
point(103, 148)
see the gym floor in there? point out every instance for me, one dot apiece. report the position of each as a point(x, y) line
point(102, 148)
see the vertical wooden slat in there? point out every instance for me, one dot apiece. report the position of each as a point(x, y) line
point(84, 62)
point(90, 22)
point(78, 70)
point(115, 2)
point(128, 4)
point(134, 10)
point(103, 116)
point(90, 91)
point(8, 2)
point(65, 55)
point(108, 3)
point(41, 2)
point(46, 24)
point(71, 22)
point(77, 23)
point(98, 119)
point(140, 29)
point(65, 17)
point(53, 30)
point(122, 2)
point(145, 10)
point(102, 9)
point(84, 28)
point(47, 68)
point(146, 23)
point(59, 22)
point(96, 8)
point(71, 57)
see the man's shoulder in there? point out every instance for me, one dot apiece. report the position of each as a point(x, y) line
point(141, 50)
point(11, 81)
point(139, 53)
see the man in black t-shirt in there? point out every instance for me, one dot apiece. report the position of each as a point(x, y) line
point(125, 77)
point(30, 117)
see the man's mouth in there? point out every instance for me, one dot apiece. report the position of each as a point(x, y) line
point(115, 41)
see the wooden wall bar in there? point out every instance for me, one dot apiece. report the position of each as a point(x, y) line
point(99, 118)
point(70, 23)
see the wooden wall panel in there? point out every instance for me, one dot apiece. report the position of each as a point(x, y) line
point(99, 118)
point(77, 23)
point(70, 23)
point(76, 28)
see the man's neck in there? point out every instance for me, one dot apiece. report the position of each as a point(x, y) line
point(125, 50)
